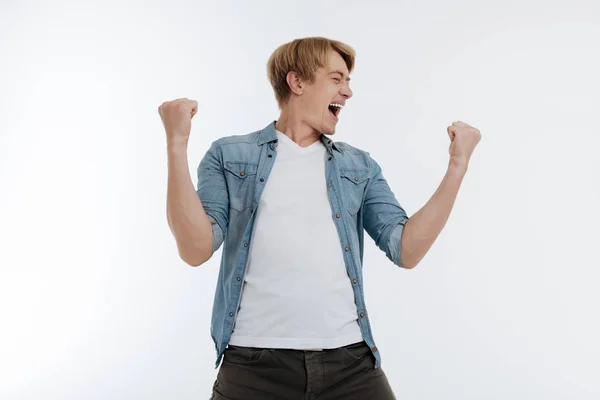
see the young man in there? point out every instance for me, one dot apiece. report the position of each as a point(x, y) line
point(290, 205)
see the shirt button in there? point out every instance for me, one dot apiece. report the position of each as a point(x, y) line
point(242, 174)
point(270, 155)
point(262, 179)
point(347, 249)
point(329, 158)
point(337, 215)
point(355, 179)
point(231, 314)
point(374, 349)
point(239, 279)
point(354, 281)
point(362, 314)
point(245, 244)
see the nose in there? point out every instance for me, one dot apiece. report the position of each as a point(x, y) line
point(346, 92)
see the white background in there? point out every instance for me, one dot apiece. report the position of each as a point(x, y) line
point(96, 304)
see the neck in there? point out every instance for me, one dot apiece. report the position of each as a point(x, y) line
point(293, 127)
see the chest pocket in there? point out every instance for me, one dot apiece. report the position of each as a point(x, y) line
point(354, 182)
point(241, 177)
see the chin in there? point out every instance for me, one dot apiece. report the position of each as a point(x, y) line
point(328, 130)
point(325, 127)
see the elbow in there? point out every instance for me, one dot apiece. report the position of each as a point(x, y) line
point(194, 262)
point(411, 261)
point(409, 258)
point(195, 258)
point(408, 263)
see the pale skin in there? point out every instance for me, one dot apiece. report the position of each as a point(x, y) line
point(424, 226)
point(187, 219)
point(304, 116)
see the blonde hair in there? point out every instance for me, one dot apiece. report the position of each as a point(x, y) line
point(303, 56)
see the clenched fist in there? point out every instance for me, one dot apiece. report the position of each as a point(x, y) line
point(463, 139)
point(177, 117)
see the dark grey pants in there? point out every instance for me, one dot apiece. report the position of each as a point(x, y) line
point(346, 373)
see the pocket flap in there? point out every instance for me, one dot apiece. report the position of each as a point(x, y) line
point(355, 175)
point(241, 169)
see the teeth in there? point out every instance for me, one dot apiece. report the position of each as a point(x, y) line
point(337, 105)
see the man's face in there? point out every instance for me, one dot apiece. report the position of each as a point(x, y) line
point(330, 88)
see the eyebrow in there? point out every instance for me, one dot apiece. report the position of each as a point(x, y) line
point(341, 73)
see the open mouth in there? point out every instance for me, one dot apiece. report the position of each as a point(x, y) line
point(335, 109)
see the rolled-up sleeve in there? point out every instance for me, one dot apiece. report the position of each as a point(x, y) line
point(384, 218)
point(212, 191)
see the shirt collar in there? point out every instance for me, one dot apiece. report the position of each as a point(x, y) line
point(268, 134)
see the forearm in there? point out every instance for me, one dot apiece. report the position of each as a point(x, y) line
point(187, 219)
point(423, 227)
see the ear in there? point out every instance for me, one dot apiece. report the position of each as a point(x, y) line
point(295, 83)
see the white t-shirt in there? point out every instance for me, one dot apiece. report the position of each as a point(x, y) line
point(296, 293)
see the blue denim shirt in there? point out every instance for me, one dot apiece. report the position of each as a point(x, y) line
point(231, 178)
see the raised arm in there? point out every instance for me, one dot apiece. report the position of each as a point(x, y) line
point(189, 223)
point(425, 225)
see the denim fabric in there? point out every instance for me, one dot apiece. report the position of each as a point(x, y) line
point(231, 178)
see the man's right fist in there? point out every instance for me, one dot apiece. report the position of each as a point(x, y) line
point(177, 117)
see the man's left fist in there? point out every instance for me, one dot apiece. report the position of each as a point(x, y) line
point(463, 139)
